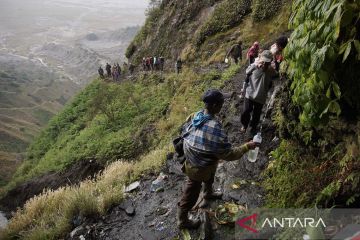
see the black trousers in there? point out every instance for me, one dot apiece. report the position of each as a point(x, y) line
point(252, 110)
point(236, 59)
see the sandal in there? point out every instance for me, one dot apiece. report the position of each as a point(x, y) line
point(242, 130)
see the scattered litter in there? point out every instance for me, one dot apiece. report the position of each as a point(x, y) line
point(226, 213)
point(186, 234)
point(275, 139)
point(161, 211)
point(158, 184)
point(270, 165)
point(82, 237)
point(151, 224)
point(132, 187)
point(160, 226)
point(75, 231)
point(77, 220)
point(237, 184)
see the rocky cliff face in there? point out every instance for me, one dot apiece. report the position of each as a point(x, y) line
point(200, 32)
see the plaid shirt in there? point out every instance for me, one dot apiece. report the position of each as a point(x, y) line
point(204, 145)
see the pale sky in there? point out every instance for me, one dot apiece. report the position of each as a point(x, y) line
point(20, 15)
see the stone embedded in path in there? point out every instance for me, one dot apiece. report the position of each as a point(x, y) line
point(128, 207)
point(130, 210)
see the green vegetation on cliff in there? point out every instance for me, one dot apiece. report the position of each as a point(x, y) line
point(318, 112)
point(197, 30)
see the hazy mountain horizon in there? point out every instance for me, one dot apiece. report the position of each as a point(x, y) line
point(49, 50)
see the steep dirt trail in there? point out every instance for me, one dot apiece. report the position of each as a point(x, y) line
point(152, 215)
point(72, 175)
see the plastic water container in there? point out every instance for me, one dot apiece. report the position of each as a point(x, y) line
point(226, 60)
point(252, 155)
point(159, 183)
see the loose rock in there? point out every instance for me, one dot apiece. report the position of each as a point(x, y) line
point(132, 187)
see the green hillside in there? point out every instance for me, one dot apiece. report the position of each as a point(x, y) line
point(30, 95)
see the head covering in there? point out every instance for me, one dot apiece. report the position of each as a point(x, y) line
point(256, 44)
point(266, 56)
point(213, 96)
point(274, 49)
point(282, 42)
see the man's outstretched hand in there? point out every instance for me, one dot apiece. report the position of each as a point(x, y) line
point(251, 145)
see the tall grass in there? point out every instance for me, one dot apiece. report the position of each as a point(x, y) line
point(49, 215)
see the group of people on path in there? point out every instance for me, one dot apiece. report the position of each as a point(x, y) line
point(148, 64)
point(263, 67)
point(204, 139)
point(158, 64)
point(115, 71)
point(153, 63)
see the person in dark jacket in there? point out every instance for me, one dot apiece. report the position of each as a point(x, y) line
point(108, 69)
point(148, 63)
point(101, 72)
point(118, 68)
point(178, 65)
point(162, 63)
point(260, 81)
point(235, 52)
point(152, 63)
point(204, 145)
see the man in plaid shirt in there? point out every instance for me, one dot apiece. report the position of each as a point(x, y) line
point(204, 145)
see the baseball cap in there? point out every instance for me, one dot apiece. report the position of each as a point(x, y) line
point(213, 96)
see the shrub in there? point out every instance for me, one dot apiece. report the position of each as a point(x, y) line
point(265, 9)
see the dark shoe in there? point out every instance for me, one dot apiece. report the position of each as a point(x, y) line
point(184, 222)
point(213, 195)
